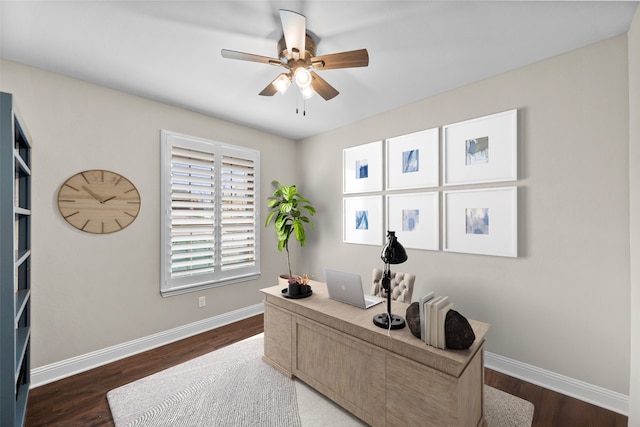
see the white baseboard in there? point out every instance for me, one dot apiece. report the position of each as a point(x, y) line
point(590, 393)
point(75, 365)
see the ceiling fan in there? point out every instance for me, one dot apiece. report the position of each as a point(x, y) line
point(297, 54)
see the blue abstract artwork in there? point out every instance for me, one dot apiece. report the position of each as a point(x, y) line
point(362, 220)
point(410, 161)
point(410, 219)
point(477, 220)
point(362, 169)
point(477, 151)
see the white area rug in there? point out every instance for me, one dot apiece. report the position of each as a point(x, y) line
point(234, 387)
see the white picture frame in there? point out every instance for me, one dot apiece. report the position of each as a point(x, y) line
point(413, 160)
point(415, 218)
point(483, 221)
point(481, 150)
point(362, 168)
point(363, 221)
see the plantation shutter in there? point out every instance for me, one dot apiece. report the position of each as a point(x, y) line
point(238, 206)
point(192, 212)
point(209, 231)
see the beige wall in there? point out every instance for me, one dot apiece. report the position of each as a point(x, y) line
point(562, 305)
point(634, 180)
point(91, 291)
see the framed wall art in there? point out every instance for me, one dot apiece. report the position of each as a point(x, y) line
point(415, 218)
point(362, 168)
point(362, 221)
point(481, 150)
point(412, 160)
point(481, 221)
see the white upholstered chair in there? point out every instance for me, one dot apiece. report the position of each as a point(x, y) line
point(401, 285)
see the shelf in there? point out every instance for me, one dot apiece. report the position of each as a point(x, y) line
point(22, 211)
point(21, 256)
point(22, 298)
point(22, 165)
point(22, 340)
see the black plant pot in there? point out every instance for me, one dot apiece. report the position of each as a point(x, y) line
point(294, 289)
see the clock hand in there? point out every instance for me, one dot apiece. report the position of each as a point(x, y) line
point(94, 195)
point(108, 198)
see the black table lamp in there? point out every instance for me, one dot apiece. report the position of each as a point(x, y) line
point(392, 253)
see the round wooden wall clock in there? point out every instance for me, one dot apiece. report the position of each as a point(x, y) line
point(98, 201)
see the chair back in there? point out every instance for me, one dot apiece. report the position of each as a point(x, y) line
point(401, 285)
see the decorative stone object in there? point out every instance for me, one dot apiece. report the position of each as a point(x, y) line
point(413, 318)
point(457, 331)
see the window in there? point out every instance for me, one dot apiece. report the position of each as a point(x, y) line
point(210, 198)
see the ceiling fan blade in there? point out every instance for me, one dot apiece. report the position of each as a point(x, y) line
point(232, 54)
point(323, 88)
point(352, 58)
point(294, 27)
point(269, 90)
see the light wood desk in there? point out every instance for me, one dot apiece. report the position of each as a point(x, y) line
point(398, 380)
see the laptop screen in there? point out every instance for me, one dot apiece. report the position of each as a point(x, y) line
point(347, 287)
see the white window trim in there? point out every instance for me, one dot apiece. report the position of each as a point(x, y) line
point(177, 285)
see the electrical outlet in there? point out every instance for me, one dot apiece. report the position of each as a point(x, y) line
point(202, 301)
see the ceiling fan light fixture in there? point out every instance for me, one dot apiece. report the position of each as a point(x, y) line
point(303, 77)
point(307, 92)
point(282, 82)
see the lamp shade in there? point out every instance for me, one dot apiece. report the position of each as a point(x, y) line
point(393, 252)
point(282, 83)
point(307, 92)
point(303, 77)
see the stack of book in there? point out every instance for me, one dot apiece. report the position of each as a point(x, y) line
point(433, 312)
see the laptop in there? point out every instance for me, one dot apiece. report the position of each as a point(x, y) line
point(347, 288)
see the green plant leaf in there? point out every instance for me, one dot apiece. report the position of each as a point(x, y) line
point(286, 208)
point(273, 202)
point(271, 215)
point(289, 192)
point(300, 234)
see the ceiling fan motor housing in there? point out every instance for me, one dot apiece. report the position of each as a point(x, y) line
point(286, 56)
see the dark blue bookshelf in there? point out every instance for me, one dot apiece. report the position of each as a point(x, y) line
point(15, 264)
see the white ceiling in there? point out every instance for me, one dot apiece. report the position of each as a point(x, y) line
point(170, 51)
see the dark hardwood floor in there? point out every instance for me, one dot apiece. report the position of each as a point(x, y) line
point(552, 408)
point(81, 400)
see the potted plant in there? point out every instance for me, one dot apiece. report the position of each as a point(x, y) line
point(289, 210)
point(301, 283)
